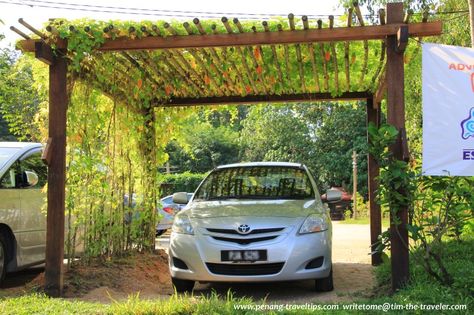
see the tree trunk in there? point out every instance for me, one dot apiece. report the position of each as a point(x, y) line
point(471, 20)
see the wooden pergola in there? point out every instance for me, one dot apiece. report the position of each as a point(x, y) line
point(189, 67)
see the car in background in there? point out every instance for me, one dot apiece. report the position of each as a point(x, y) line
point(253, 222)
point(23, 176)
point(339, 209)
point(167, 211)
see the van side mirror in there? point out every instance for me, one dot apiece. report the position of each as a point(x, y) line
point(333, 195)
point(30, 178)
point(180, 198)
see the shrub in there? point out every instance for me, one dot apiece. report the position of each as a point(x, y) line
point(422, 288)
point(171, 183)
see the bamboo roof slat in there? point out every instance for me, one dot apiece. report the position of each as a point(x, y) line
point(311, 56)
point(137, 65)
point(323, 56)
point(206, 71)
point(366, 44)
point(346, 53)
point(287, 61)
point(231, 85)
point(291, 20)
point(242, 57)
point(167, 79)
point(225, 58)
point(382, 49)
point(31, 28)
point(172, 63)
point(334, 56)
point(249, 50)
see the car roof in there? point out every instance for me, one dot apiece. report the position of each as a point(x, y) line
point(250, 164)
point(21, 145)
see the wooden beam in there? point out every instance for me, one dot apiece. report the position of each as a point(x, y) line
point(256, 99)
point(396, 117)
point(261, 38)
point(56, 177)
point(44, 53)
point(373, 115)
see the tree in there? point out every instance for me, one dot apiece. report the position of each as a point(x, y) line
point(321, 136)
point(19, 99)
point(201, 145)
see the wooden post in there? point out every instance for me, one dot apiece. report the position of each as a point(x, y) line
point(373, 115)
point(354, 184)
point(56, 176)
point(396, 117)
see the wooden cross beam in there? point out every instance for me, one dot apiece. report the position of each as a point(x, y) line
point(371, 32)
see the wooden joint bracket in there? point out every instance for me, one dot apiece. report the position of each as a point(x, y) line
point(402, 39)
point(44, 53)
point(46, 156)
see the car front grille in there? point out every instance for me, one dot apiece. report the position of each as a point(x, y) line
point(245, 269)
point(256, 231)
point(244, 241)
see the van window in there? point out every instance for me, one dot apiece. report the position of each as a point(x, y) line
point(11, 178)
point(33, 163)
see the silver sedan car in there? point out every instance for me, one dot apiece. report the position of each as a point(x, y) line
point(253, 222)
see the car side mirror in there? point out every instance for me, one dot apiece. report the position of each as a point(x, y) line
point(180, 198)
point(31, 179)
point(333, 195)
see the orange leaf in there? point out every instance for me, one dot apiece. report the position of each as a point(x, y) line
point(353, 59)
point(406, 59)
point(259, 69)
point(139, 83)
point(272, 80)
point(327, 56)
point(248, 89)
point(207, 80)
point(256, 53)
point(225, 74)
point(168, 90)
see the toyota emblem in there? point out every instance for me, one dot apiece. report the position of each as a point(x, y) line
point(243, 229)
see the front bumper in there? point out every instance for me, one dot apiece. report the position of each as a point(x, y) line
point(291, 250)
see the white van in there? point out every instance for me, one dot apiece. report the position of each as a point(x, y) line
point(22, 223)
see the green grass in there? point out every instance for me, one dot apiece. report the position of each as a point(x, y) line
point(459, 258)
point(177, 304)
point(422, 289)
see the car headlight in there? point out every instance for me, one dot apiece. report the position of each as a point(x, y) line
point(182, 225)
point(313, 223)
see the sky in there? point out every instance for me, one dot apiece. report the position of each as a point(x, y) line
point(38, 12)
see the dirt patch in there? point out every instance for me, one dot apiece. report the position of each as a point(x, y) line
point(145, 274)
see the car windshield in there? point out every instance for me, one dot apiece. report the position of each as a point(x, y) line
point(256, 182)
point(6, 154)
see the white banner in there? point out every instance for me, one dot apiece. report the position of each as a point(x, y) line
point(448, 110)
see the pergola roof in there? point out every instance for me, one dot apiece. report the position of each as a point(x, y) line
point(211, 62)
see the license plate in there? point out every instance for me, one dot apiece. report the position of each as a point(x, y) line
point(243, 255)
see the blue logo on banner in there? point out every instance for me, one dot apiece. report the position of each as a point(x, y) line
point(467, 125)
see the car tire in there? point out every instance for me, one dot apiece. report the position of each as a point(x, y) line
point(324, 284)
point(182, 285)
point(3, 258)
point(160, 232)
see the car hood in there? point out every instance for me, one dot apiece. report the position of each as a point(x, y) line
point(252, 208)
